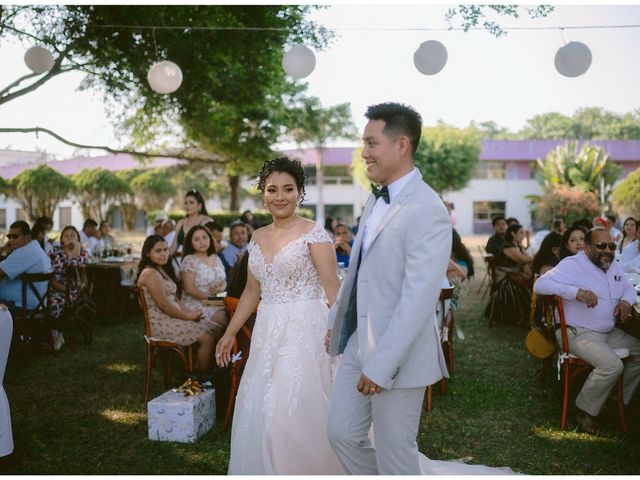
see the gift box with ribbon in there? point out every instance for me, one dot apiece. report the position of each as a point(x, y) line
point(183, 414)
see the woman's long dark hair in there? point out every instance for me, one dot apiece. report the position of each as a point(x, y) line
point(200, 199)
point(511, 231)
point(146, 262)
point(545, 256)
point(564, 251)
point(624, 233)
point(188, 244)
point(462, 253)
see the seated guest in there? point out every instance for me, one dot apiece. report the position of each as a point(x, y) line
point(511, 300)
point(217, 233)
point(494, 244)
point(629, 261)
point(47, 224)
point(168, 231)
point(238, 238)
point(88, 236)
point(548, 255)
point(343, 244)
point(156, 227)
point(572, 241)
point(26, 257)
point(594, 292)
point(460, 263)
point(203, 276)
point(169, 319)
point(248, 219)
point(106, 241)
point(6, 331)
point(355, 228)
point(557, 226)
point(68, 254)
point(584, 223)
point(628, 237)
point(196, 214)
point(615, 233)
point(38, 234)
point(601, 222)
point(238, 277)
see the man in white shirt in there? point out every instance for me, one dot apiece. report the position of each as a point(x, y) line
point(594, 292)
point(88, 236)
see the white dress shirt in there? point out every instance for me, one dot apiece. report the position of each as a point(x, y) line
point(628, 254)
point(381, 207)
point(577, 272)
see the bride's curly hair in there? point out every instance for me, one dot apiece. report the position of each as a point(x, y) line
point(283, 165)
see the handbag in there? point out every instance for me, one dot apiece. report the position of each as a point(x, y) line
point(537, 341)
point(520, 279)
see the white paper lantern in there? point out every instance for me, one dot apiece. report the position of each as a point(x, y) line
point(573, 59)
point(164, 77)
point(38, 59)
point(430, 57)
point(299, 61)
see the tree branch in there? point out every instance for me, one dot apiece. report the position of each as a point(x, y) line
point(17, 82)
point(183, 155)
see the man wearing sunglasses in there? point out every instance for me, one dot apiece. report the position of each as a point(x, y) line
point(26, 257)
point(595, 292)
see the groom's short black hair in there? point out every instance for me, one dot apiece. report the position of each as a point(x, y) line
point(398, 119)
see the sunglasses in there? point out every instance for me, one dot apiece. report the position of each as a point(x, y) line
point(603, 245)
point(13, 236)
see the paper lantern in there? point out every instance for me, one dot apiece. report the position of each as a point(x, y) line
point(299, 61)
point(38, 59)
point(573, 59)
point(430, 57)
point(164, 77)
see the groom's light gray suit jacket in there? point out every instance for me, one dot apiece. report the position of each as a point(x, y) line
point(399, 283)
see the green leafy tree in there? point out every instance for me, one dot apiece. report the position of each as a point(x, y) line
point(128, 205)
point(447, 156)
point(190, 177)
point(96, 189)
point(626, 195)
point(39, 190)
point(152, 189)
point(315, 126)
point(473, 15)
point(584, 169)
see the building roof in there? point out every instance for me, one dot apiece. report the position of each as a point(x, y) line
point(330, 156)
point(74, 165)
point(527, 150)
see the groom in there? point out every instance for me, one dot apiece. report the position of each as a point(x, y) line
point(384, 318)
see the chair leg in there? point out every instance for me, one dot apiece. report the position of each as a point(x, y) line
point(429, 398)
point(189, 365)
point(565, 397)
point(443, 386)
point(232, 398)
point(623, 422)
point(168, 367)
point(149, 367)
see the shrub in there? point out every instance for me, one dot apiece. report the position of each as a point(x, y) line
point(570, 203)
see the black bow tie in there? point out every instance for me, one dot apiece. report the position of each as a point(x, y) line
point(381, 192)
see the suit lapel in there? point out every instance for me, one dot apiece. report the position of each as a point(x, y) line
point(357, 244)
point(395, 206)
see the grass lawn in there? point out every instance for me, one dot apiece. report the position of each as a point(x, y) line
point(82, 412)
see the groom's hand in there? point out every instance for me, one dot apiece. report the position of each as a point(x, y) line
point(366, 386)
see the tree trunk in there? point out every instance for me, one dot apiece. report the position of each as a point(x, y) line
point(234, 193)
point(128, 215)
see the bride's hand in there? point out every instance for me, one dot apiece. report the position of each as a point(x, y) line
point(327, 340)
point(223, 350)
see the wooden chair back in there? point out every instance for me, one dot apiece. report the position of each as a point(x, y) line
point(145, 313)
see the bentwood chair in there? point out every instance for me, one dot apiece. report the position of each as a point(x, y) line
point(154, 347)
point(446, 340)
point(570, 365)
point(239, 351)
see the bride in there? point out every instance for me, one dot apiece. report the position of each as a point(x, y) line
point(280, 419)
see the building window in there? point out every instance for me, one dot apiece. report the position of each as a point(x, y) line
point(333, 174)
point(491, 170)
point(533, 169)
point(20, 215)
point(64, 215)
point(3, 218)
point(483, 212)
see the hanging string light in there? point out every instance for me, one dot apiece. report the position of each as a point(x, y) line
point(38, 59)
point(164, 77)
point(430, 57)
point(299, 61)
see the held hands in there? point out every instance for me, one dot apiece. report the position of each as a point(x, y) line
point(588, 297)
point(366, 386)
point(327, 340)
point(223, 350)
point(623, 309)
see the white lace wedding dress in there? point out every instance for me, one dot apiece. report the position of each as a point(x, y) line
point(282, 406)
